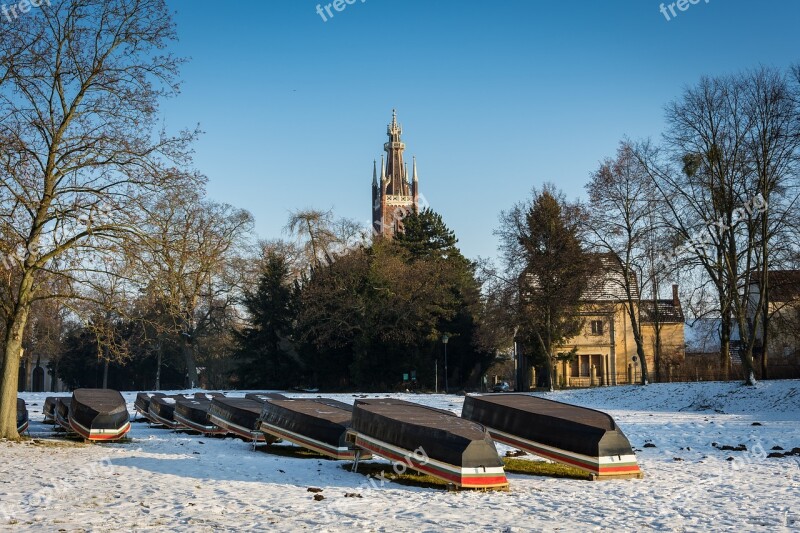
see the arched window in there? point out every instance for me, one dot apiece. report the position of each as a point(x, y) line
point(38, 379)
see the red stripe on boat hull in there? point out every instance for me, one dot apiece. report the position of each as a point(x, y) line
point(80, 430)
point(599, 471)
point(473, 482)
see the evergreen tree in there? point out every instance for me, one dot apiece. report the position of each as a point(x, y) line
point(264, 348)
point(425, 235)
point(380, 312)
point(543, 251)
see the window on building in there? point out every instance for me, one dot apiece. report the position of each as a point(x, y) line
point(597, 327)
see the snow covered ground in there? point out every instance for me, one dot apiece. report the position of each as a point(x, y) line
point(163, 480)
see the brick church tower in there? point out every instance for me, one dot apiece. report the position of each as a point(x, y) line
point(393, 197)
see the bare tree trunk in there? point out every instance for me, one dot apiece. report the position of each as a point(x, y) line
point(637, 337)
point(725, 345)
point(9, 381)
point(158, 368)
point(656, 332)
point(191, 363)
point(764, 292)
point(105, 373)
point(764, 340)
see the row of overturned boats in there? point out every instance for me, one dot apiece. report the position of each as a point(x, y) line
point(459, 450)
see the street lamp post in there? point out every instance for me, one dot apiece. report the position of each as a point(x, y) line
point(445, 338)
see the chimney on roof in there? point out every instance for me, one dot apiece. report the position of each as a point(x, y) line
point(675, 300)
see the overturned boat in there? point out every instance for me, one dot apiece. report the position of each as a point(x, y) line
point(62, 413)
point(22, 416)
point(318, 424)
point(142, 403)
point(99, 414)
point(584, 438)
point(428, 440)
point(192, 414)
point(238, 416)
point(49, 410)
point(161, 410)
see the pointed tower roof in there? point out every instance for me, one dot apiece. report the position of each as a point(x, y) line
point(394, 128)
point(396, 170)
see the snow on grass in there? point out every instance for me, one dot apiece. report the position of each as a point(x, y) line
point(164, 480)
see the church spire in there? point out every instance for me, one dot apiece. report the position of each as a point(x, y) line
point(374, 174)
point(398, 194)
point(394, 127)
point(395, 167)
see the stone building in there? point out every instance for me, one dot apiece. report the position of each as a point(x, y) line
point(783, 308)
point(36, 375)
point(605, 351)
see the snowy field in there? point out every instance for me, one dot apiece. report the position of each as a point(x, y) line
point(167, 481)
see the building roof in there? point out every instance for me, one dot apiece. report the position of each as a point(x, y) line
point(668, 311)
point(608, 284)
point(784, 285)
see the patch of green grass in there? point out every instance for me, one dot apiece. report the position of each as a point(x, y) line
point(295, 452)
point(542, 468)
point(408, 477)
point(413, 478)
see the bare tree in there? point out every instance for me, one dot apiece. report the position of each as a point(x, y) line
point(184, 258)
point(81, 83)
point(623, 214)
point(772, 107)
point(731, 158)
point(322, 236)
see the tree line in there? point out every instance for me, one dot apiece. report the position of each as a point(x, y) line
point(712, 206)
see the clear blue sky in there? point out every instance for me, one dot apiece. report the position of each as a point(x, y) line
point(494, 96)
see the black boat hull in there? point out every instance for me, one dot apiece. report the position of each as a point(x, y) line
point(22, 416)
point(142, 403)
point(429, 440)
point(192, 414)
point(161, 410)
point(583, 438)
point(238, 416)
point(62, 413)
point(99, 414)
point(49, 410)
point(317, 424)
